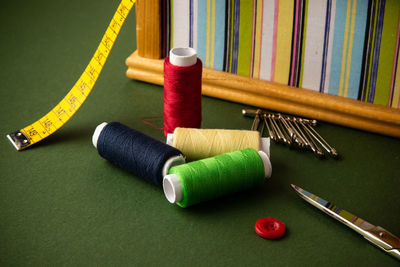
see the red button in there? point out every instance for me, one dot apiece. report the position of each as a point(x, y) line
point(270, 228)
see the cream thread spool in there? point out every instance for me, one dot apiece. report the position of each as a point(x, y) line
point(200, 144)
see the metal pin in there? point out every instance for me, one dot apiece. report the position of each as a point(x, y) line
point(292, 134)
point(314, 147)
point(256, 121)
point(262, 125)
point(301, 134)
point(306, 121)
point(298, 138)
point(322, 141)
point(283, 130)
point(307, 128)
point(281, 136)
point(249, 112)
point(270, 132)
point(309, 122)
point(278, 136)
point(287, 130)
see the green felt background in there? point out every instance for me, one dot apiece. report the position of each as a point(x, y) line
point(62, 204)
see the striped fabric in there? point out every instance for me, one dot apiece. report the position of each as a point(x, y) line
point(345, 52)
point(348, 48)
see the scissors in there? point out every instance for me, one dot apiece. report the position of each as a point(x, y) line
point(377, 235)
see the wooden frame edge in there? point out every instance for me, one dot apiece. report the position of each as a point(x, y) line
point(282, 98)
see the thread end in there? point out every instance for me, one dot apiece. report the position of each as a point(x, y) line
point(97, 133)
point(172, 188)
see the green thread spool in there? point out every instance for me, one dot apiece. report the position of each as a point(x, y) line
point(206, 179)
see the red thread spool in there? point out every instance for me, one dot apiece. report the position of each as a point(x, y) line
point(182, 90)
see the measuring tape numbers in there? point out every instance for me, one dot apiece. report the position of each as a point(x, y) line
point(67, 107)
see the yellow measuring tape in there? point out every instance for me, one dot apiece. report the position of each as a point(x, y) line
point(67, 107)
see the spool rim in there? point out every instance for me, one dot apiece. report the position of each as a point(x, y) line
point(97, 132)
point(172, 188)
point(170, 139)
point(267, 163)
point(183, 56)
point(265, 145)
point(171, 162)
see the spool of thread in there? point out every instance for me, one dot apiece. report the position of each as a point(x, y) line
point(182, 89)
point(205, 179)
point(135, 152)
point(198, 144)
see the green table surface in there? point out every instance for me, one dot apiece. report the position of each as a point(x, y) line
point(62, 204)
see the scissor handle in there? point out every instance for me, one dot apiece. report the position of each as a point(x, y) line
point(385, 240)
point(394, 252)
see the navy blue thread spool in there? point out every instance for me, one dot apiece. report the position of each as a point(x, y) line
point(135, 152)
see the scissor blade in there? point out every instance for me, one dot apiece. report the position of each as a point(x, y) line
point(375, 234)
point(331, 209)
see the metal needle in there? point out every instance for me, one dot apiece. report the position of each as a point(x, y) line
point(256, 121)
point(249, 112)
point(314, 147)
point(270, 132)
point(310, 122)
point(301, 134)
point(298, 138)
point(278, 136)
point(322, 141)
point(283, 129)
point(277, 129)
point(289, 130)
point(262, 125)
point(306, 121)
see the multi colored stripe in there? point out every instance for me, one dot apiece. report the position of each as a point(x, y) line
point(165, 29)
point(348, 48)
point(228, 37)
point(396, 87)
point(297, 40)
point(258, 29)
point(338, 213)
point(387, 52)
point(267, 45)
point(347, 30)
point(373, 17)
point(235, 44)
point(274, 40)
point(395, 65)
point(376, 51)
point(314, 45)
point(245, 37)
point(283, 41)
point(356, 49)
point(253, 37)
point(180, 23)
point(326, 43)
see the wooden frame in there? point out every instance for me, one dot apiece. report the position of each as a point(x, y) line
point(145, 65)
